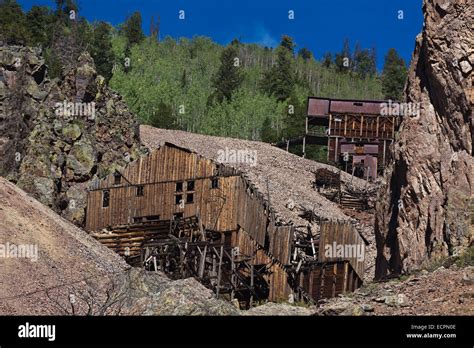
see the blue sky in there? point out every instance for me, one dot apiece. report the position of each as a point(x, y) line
point(319, 25)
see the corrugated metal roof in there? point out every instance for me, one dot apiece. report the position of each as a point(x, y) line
point(324, 106)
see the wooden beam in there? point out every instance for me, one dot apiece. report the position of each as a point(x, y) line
point(384, 150)
point(330, 123)
point(251, 283)
point(202, 262)
point(346, 271)
point(232, 277)
point(345, 124)
point(393, 127)
point(219, 269)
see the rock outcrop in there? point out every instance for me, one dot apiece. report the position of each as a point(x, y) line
point(149, 293)
point(58, 136)
point(423, 211)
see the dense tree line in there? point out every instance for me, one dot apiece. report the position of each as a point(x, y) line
point(62, 32)
point(241, 90)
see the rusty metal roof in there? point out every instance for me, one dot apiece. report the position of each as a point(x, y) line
point(322, 107)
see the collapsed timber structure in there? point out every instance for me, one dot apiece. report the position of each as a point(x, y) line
point(183, 214)
point(328, 184)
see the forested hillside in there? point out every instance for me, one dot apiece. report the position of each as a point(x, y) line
point(169, 84)
point(195, 84)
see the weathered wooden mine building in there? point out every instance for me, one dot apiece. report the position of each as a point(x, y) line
point(186, 215)
point(358, 132)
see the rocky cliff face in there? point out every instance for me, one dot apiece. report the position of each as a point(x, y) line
point(58, 136)
point(423, 210)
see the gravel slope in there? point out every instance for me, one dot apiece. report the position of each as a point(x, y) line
point(66, 254)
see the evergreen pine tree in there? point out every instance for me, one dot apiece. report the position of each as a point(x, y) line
point(305, 54)
point(363, 63)
point(287, 42)
point(327, 60)
point(53, 63)
point(373, 61)
point(64, 8)
point(101, 49)
point(235, 42)
point(184, 80)
point(229, 77)
point(132, 29)
point(268, 134)
point(39, 21)
point(343, 59)
point(162, 117)
point(393, 75)
point(294, 118)
point(127, 54)
point(279, 81)
point(13, 25)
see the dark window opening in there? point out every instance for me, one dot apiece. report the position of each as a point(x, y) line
point(178, 216)
point(117, 178)
point(140, 190)
point(190, 185)
point(266, 243)
point(189, 198)
point(138, 219)
point(178, 199)
point(228, 239)
point(358, 104)
point(179, 187)
point(215, 183)
point(105, 198)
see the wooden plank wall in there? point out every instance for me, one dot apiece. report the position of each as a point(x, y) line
point(255, 217)
point(159, 172)
point(325, 280)
point(280, 242)
point(252, 214)
point(216, 207)
point(342, 233)
point(278, 277)
point(362, 126)
point(167, 163)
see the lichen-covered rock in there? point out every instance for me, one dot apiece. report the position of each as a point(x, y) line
point(71, 132)
point(278, 309)
point(344, 308)
point(147, 293)
point(58, 136)
point(80, 161)
point(423, 209)
point(397, 300)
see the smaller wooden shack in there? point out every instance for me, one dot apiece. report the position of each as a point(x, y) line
point(340, 265)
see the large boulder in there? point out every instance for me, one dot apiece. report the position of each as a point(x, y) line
point(147, 293)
